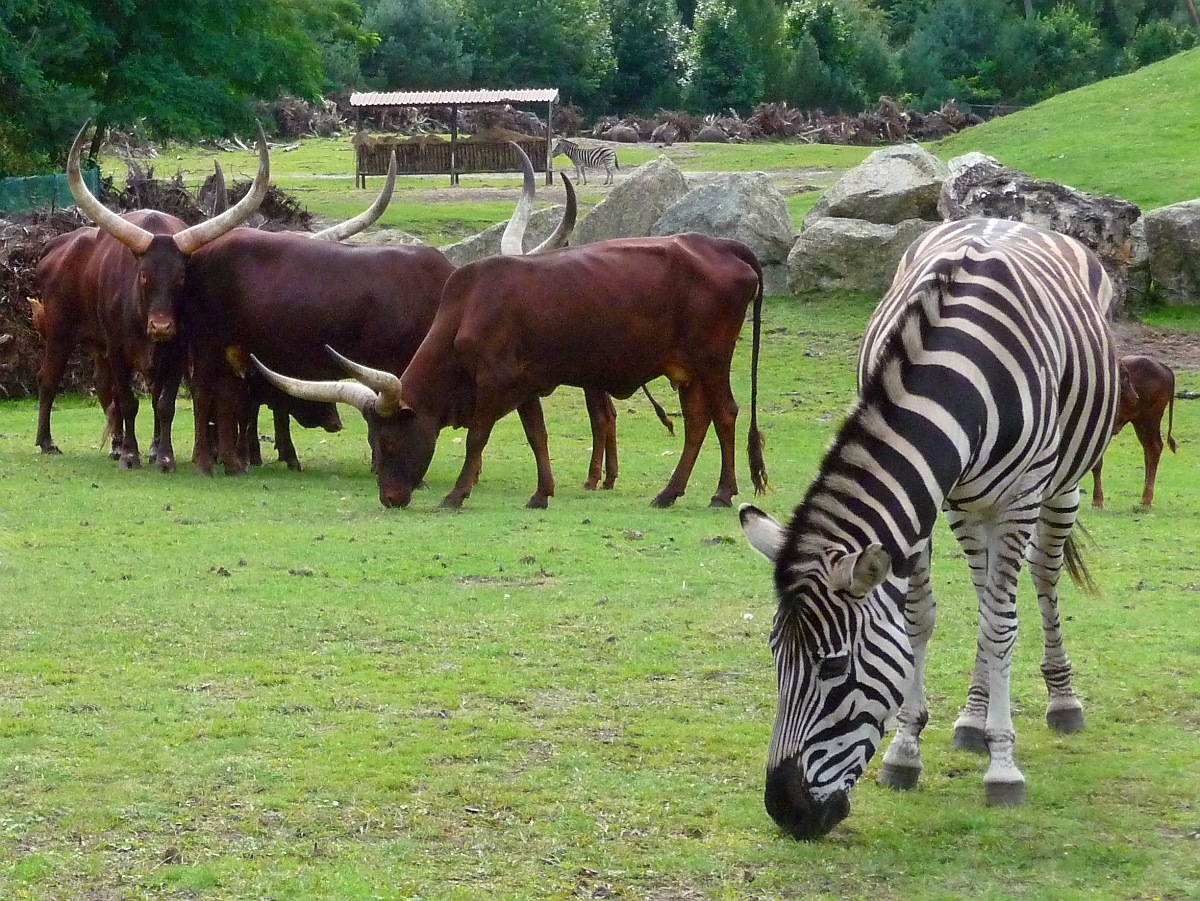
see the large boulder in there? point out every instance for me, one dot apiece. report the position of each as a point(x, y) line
point(634, 205)
point(890, 186)
point(487, 243)
point(1101, 222)
point(1173, 245)
point(745, 206)
point(850, 253)
point(710, 134)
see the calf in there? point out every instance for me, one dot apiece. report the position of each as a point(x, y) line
point(1147, 390)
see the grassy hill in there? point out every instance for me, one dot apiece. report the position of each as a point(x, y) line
point(1136, 136)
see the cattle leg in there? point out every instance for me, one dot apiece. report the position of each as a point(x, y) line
point(534, 423)
point(603, 415)
point(126, 401)
point(229, 396)
point(283, 439)
point(202, 413)
point(50, 374)
point(478, 434)
point(167, 374)
point(723, 410)
point(696, 419)
point(1152, 446)
point(104, 394)
point(1097, 486)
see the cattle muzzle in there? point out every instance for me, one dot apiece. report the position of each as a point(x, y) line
point(790, 802)
point(395, 495)
point(161, 328)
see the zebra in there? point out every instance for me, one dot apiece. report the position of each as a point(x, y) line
point(988, 386)
point(588, 158)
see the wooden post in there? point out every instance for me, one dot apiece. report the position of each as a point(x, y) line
point(454, 144)
point(549, 145)
point(360, 180)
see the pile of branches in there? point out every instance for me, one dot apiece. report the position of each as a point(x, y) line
point(297, 118)
point(887, 123)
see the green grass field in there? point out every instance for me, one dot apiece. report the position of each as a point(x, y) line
point(272, 687)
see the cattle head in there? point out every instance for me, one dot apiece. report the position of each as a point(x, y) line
point(402, 440)
point(162, 258)
point(840, 653)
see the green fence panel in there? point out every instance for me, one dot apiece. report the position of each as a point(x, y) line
point(49, 191)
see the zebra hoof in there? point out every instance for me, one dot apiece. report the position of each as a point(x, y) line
point(969, 738)
point(899, 777)
point(1065, 720)
point(1004, 794)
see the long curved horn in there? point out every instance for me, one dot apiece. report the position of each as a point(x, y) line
point(192, 239)
point(512, 244)
point(566, 225)
point(132, 236)
point(367, 217)
point(386, 383)
point(358, 396)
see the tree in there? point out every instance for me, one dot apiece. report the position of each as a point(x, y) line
point(420, 46)
point(839, 57)
point(173, 69)
point(648, 44)
point(541, 43)
point(723, 71)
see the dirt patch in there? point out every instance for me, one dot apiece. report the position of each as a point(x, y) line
point(1179, 350)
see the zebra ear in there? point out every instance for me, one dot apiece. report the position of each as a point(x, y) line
point(857, 574)
point(762, 531)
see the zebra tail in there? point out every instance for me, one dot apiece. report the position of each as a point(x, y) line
point(755, 440)
point(1076, 567)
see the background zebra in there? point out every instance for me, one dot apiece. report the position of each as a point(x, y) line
point(988, 387)
point(588, 158)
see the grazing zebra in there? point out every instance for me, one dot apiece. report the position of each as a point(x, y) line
point(988, 387)
point(588, 158)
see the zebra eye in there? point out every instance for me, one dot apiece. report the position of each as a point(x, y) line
point(833, 667)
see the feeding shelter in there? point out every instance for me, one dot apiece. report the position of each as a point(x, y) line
point(432, 156)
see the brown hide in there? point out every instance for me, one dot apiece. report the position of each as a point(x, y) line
point(1147, 391)
point(283, 297)
point(96, 294)
point(606, 317)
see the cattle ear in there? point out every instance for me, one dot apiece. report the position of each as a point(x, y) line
point(763, 532)
point(858, 573)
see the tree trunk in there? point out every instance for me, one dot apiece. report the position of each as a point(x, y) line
point(1191, 8)
point(1029, 14)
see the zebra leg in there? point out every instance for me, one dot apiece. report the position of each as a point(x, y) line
point(1003, 784)
point(972, 718)
point(1064, 712)
point(901, 766)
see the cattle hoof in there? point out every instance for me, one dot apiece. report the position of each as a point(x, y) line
point(663, 500)
point(131, 461)
point(591, 484)
point(52, 450)
point(165, 463)
point(293, 465)
point(539, 501)
point(608, 484)
point(719, 501)
point(114, 454)
point(450, 502)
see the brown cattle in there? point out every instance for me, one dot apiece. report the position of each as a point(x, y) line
point(113, 289)
point(1147, 391)
point(606, 317)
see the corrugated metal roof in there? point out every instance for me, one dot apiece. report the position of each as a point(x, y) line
point(446, 98)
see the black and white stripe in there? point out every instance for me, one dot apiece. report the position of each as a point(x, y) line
point(585, 158)
point(988, 386)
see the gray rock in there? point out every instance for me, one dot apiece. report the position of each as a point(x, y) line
point(850, 253)
point(634, 205)
point(890, 186)
point(1173, 244)
point(745, 206)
